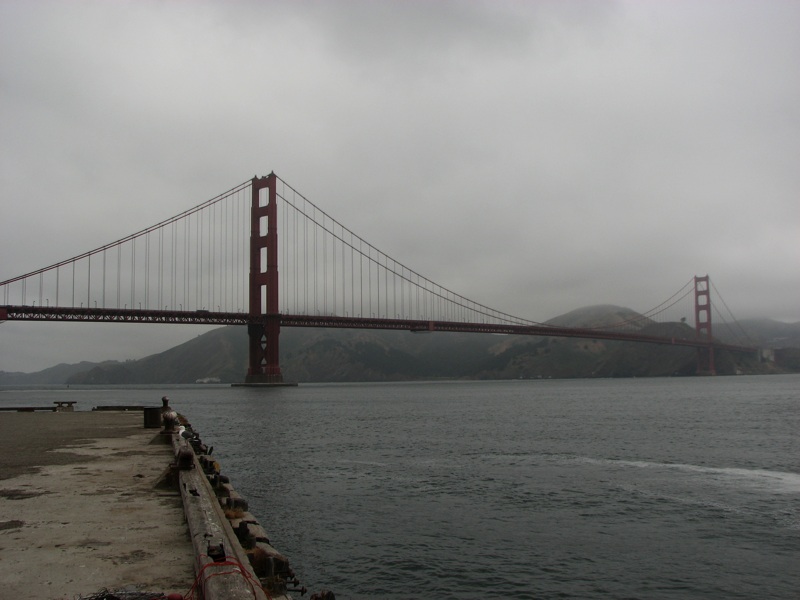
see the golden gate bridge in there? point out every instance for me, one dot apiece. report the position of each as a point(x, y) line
point(223, 262)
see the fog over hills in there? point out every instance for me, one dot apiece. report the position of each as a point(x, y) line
point(331, 355)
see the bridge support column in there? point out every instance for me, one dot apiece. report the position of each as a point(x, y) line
point(265, 322)
point(702, 325)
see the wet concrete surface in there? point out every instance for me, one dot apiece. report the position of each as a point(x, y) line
point(80, 510)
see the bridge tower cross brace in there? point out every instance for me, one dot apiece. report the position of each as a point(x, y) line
point(702, 325)
point(265, 322)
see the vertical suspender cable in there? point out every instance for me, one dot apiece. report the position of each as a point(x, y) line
point(333, 266)
point(160, 304)
point(210, 263)
point(146, 269)
point(305, 256)
point(198, 263)
point(344, 273)
point(315, 261)
point(119, 273)
point(104, 277)
point(133, 270)
point(352, 278)
point(361, 277)
point(226, 258)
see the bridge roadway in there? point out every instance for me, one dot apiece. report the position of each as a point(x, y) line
point(205, 317)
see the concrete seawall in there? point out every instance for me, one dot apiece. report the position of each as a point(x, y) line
point(93, 501)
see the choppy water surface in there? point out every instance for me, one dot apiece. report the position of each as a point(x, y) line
point(647, 488)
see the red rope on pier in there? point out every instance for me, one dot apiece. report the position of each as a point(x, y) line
point(230, 561)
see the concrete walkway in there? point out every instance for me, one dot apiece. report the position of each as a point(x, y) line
point(79, 510)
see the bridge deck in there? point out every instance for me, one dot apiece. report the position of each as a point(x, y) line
point(205, 317)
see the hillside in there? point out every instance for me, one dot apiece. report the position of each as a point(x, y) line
point(764, 333)
point(56, 375)
point(322, 355)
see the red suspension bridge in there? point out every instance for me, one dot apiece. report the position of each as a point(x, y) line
point(219, 263)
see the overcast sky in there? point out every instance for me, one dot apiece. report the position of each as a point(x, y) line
point(535, 156)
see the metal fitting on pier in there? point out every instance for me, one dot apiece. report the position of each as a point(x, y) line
point(170, 421)
point(215, 551)
point(169, 418)
point(184, 459)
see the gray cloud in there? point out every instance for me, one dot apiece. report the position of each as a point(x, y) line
point(534, 156)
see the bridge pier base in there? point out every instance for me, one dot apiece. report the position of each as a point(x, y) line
point(705, 361)
point(264, 368)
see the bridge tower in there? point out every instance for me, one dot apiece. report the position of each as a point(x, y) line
point(702, 325)
point(265, 324)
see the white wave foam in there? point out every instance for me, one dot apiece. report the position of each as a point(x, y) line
point(775, 481)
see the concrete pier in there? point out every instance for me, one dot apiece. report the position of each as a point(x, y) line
point(93, 500)
point(80, 510)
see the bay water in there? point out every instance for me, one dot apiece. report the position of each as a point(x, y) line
point(634, 488)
